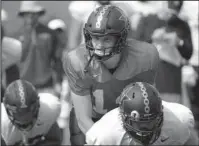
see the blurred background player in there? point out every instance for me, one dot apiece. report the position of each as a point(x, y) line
point(98, 70)
point(62, 89)
point(190, 72)
point(60, 28)
point(172, 36)
point(142, 118)
point(29, 118)
point(10, 56)
point(39, 45)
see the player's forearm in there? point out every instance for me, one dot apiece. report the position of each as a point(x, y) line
point(66, 134)
point(83, 111)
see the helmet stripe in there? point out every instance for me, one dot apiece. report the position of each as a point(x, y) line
point(145, 97)
point(22, 95)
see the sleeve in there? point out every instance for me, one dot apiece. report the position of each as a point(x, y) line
point(78, 83)
point(149, 75)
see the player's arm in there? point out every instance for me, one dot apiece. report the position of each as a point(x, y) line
point(80, 89)
point(83, 111)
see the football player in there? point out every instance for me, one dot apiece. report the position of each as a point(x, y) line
point(28, 118)
point(98, 70)
point(142, 118)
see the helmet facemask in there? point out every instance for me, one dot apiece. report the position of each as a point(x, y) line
point(143, 125)
point(30, 114)
point(116, 49)
point(144, 135)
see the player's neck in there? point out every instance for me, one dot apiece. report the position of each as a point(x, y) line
point(113, 62)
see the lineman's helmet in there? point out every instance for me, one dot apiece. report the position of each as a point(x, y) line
point(22, 104)
point(141, 112)
point(106, 20)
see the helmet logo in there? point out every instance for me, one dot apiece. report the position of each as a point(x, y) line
point(22, 96)
point(145, 96)
point(122, 18)
point(100, 17)
point(135, 115)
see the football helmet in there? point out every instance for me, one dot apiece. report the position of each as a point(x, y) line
point(22, 104)
point(141, 112)
point(106, 20)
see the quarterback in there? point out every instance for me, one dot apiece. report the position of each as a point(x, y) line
point(142, 118)
point(98, 70)
point(29, 118)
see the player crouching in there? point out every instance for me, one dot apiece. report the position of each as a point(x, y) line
point(142, 118)
point(29, 118)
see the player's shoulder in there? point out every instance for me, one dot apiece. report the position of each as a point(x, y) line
point(141, 59)
point(144, 52)
point(183, 113)
point(175, 130)
point(108, 126)
point(105, 122)
point(76, 58)
point(50, 107)
point(141, 46)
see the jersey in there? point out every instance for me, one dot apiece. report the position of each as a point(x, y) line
point(48, 113)
point(176, 129)
point(138, 63)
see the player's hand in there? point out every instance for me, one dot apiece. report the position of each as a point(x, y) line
point(158, 34)
point(171, 38)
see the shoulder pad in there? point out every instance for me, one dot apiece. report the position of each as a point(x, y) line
point(174, 130)
point(78, 58)
point(140, 57)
